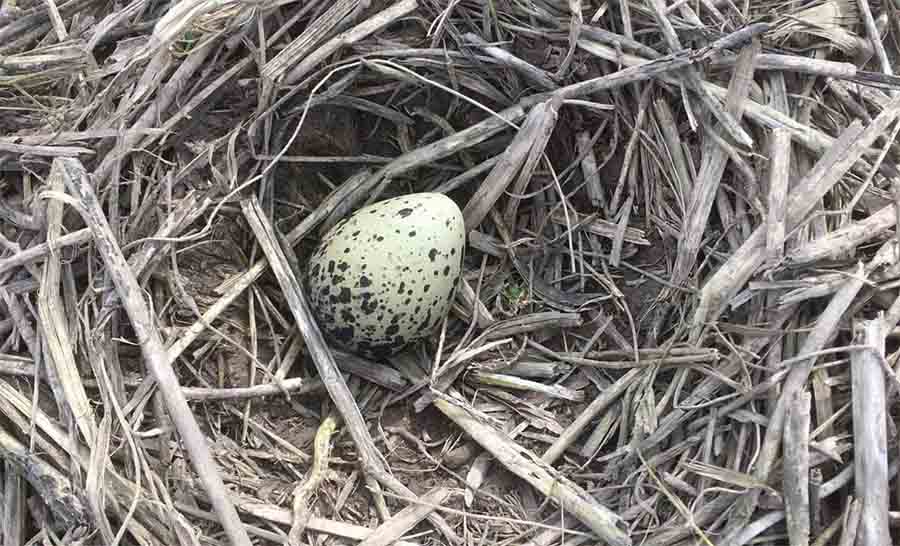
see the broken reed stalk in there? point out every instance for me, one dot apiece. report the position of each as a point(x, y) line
point(530, 138)
point(715, 159)
point(779, 181)
point(282, 516)
point(353, 35)
point(517, 383)
point(540, 475)
point(55, 325)
point(530, 72)
point(841, 241)
point(796, 468)
point(313, 35)
point(824, 329)
point(852, 517)
point(52, 486)
point(603, 401)
point(403, 521)
point(132, 298)
point(870, 446)
point(828, 171)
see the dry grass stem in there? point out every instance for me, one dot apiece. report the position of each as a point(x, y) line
point(79, 185)
point(870, 461)
point(796, 468)
point(404, 520)
point(779, 182)
point(537, 473)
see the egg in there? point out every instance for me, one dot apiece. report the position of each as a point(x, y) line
point(385, 276)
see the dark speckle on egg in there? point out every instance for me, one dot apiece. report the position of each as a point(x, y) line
point(394, 273)
point(344, 296)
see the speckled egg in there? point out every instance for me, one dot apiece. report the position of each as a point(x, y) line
point(385, 276)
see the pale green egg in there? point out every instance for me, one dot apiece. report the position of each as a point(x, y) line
point(386, 275)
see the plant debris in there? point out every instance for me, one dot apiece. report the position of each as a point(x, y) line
point(677, 321)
